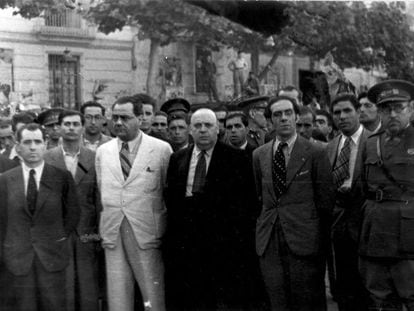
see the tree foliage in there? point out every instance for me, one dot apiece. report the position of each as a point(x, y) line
point(356, 34)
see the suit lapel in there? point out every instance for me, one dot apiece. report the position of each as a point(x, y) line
point(333, 150)
point(84, 165)
point(46, 185)
point(115, 164)
point(358, 160)
point(17, 188)
point(141, 160)
point(298, 157)
point(268, 167)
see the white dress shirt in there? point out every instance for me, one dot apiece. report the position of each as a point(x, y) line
point(286, 151)
point(71, 161)
point(38, 175)
point(193, 164)
point(133, 146)
point(352, 158)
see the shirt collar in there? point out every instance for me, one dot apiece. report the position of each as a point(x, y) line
point(38, 169)
point(289, 142)
point(208, 152)
point(132, 143)
point(65, 153)
point(355, 137)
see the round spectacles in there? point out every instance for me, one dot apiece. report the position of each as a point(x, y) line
point(396, 107)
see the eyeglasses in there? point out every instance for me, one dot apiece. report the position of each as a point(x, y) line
point(97, 117)
point(396, 107)
point(123, 118)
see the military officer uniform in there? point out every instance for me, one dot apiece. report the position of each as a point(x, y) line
point(257, 121)
point(386, 246)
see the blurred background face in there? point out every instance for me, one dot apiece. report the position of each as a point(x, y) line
point(71, 128)
point(346, 117)
point(258, 116)
point(221, 117)
point(368, 111)
point(178, 132)
point(53, 131)
point(283, 118)
point(396, 116)
point(147, 117)
point(321, 123)
point(94, 120)
point(236, 131)
point(304, 125)
point(204, 128)
point(6, 138)
point(159, 124)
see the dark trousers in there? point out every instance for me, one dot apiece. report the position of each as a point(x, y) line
point(292, 282)
point(39, 290)
point(390, 283)
point(82, 276)
point(350, 293)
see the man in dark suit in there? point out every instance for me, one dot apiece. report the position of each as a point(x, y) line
point(38, 212)
point(208, 196)
point(82, 273)
point(345, 156)
point(236, 125)
point(294, 184)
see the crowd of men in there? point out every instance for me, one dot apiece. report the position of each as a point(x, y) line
point(241, 207)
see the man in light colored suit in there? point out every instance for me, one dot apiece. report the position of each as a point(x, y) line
point(294, 185)
point(131, 172)
point(82, 273)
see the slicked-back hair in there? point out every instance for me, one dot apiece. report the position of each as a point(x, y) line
point(145, 99)
point(68, 113)
point(22, 117)
point(237, 114)
point(290, 88)
point(136, 104)
point(32, 127)
point(343, 97)
point(92, 104)
point(273, 100)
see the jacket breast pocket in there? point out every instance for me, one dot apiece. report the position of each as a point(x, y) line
point(407, 229)
point(151, 179)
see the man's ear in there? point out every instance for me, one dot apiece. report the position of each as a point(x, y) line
point(252, 112)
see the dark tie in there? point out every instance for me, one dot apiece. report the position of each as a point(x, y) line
point(31, 195)
point(341, 168)
point(279, 171)
point(200, 173)
point(124, 158)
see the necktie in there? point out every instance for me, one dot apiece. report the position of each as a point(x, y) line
point(279, 171)
point(124, 158)
point(341, 168)
point(31, 195)
point(200, 173)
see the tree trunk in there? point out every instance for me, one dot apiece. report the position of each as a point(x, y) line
point(269, 65)
point(254, 60)
point(153, 67)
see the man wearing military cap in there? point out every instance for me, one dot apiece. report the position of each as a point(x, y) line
point(175, 105)
point(387, 233)
point(254, 108)
point(50, 121)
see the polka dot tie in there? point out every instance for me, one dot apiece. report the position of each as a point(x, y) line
point(279, 171)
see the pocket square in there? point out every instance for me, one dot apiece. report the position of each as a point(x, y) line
point(303, 173)
point(150, 170)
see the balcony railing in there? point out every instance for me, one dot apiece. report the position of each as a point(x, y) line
point(65, 25)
